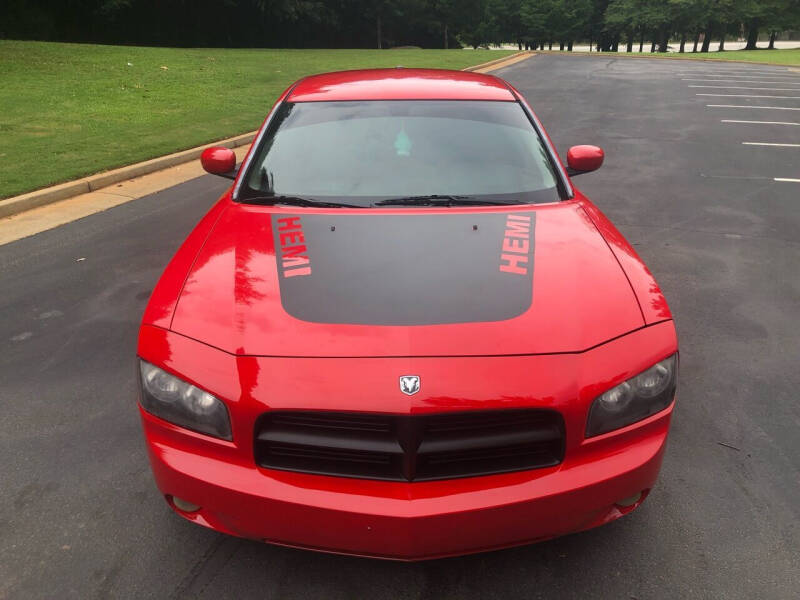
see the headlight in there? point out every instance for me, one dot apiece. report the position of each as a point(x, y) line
point(181, 403)
point(634, 399)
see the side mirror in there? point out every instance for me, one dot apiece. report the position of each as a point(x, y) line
point(219, 161)
point(582, 159)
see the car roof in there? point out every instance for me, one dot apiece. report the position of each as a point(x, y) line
point(400, 84)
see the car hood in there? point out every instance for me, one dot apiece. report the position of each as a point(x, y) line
point(273, 281)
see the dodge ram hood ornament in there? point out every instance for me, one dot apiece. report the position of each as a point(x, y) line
point(409, 384)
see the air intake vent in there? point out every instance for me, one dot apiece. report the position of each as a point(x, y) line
point(409, 448)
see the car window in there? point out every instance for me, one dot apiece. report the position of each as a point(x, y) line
point(361, 152)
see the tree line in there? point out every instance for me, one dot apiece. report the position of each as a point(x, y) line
point(606, 24)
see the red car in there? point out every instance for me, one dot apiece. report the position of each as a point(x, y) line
point(403, 333)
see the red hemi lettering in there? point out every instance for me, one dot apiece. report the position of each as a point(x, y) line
point(516, 245)
point(292, 237)
point(295, 259)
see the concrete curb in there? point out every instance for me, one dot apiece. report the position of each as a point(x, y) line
point(499, 63)
point(49, 195)
point(18, 204)
point(687, 57)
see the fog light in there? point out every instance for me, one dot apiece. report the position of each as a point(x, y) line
point(626, 502)
point(183, 505)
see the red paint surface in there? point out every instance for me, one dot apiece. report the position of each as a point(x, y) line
point(400, 84)
point(218, 160)
point(651, 300)
point(215, 319)
point(585, 158)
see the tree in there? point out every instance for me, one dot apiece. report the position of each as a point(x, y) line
point(445, 13)
point(386, 23)
point(595, 25)
point(478, 27)
point(507, 22)
point(533, 15)
point(687, 19)
point(775, 16)
point(622, 17)
point(566, 20)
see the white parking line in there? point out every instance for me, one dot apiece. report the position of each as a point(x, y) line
point(745, 82)
point(742, 76)
point(759, 122)
point(735, 80)
point(754, 177)
point(747, 106)
point(746, 73)
point(753, 68)
point(736, 87)
point(771, 144)
point(748, 96)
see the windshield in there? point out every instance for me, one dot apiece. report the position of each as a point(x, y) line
point(364, 152)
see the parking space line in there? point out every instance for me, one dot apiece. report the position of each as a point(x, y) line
point(752, 68)
point(741, 76)
point(760, 122)
point(746, 177)
point(771, 144)
point(748, 96)
point(736, 87)
point(748, 106)
point(747, 85)
point(749, 74)
point(735, 80)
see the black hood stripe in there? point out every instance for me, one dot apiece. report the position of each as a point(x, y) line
point(405, 269)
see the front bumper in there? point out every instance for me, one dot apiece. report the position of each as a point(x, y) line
point(408, 521)
point(399, 520)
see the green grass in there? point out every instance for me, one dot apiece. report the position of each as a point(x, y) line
point(773, 57)
point(69, 110)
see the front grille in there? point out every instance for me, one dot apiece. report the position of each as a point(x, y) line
point(409, 448)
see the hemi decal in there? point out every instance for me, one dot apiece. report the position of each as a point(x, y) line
point(516, 245)
point(294, 253)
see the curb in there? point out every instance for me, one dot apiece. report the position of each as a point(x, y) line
point(645, 55)
point(498, 63)
point(62, 191)
point(18, 204)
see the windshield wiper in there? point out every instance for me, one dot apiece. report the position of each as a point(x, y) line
point(439, 200)
point(298, 201)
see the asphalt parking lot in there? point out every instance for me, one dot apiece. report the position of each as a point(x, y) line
point(702, 175)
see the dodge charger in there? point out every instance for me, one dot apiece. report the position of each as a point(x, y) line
point(403, 332)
